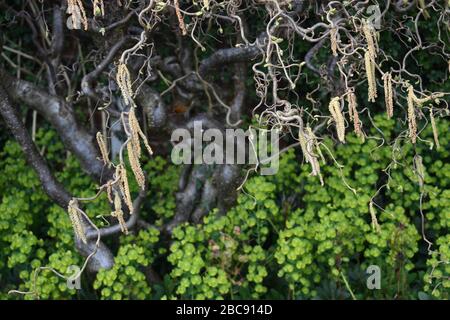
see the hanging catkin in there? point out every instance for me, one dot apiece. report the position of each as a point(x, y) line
point(335, 110)
point(118, 213)
point(414, 101)
point(180, 17)
point(314, 149)
point(435, 131)
point(134, 147)
point(369, 59)
point(369, 34)
point(109, 191)
point(370, 72)
point(77, 14)
point(308, 143)
point(388, 94)
point(334, 41)
point(123, 79)
point(374, 219)
point(121, 174)
point(76, 220)
point(353, 112)
point(136, 132)
point(136, 166)
point(411, 99)
point(302, 140)
point(103, 149)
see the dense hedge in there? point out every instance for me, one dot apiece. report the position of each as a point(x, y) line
point(287, 236)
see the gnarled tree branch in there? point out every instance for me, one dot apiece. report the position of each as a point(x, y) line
point(56, 111)
point(55, 190)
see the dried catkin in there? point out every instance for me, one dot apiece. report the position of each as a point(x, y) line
point(78, 14)
point(134, 135)
point(136, 132)
point(123, 79)
point(334, 41)
point(373, 216)
point(103, 149)
point(121, 173)
point(435, 131)
point(180, 17)
point(118, 213)
point(313, 148)
point(414, 101)
point(370, 72)
point(388, 94)
point(302, 140)
point(76, 220)
point(308, 143)
point(411, 99)
point(109, 191)
point(146, 144)
point(369, 34)
point(134, 147)
point(136, 166)
point(353, 112)
point(335, 110)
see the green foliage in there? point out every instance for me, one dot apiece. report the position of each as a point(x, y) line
point(126, 280)
point(313, 236)
point(224, 256)
point(287, 236)
point(162, 201)
point(437, 280)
